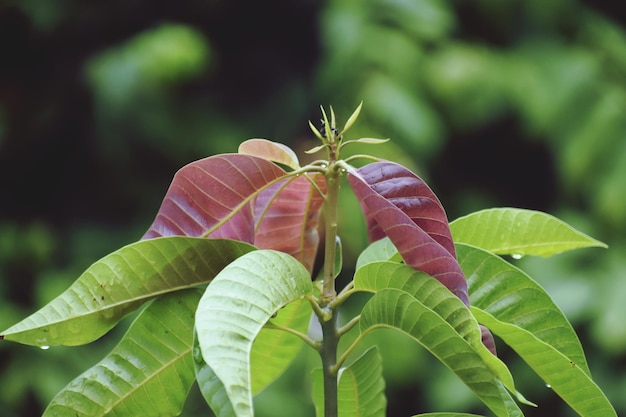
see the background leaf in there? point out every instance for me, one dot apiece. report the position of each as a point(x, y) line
point(149, 373)
point(272, 151)
point(232, 312)
point(360, 390)
point(119, 283)
point(404, 207)
point(399, 310)
point(512, 231)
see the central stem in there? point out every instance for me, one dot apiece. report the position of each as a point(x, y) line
point(330, 341)
point(330, 245)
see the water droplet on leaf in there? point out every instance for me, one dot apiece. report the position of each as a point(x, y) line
point(549, 386)
point(45, 347)
point(517, 256)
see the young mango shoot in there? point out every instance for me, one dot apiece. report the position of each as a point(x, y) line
point(225, 284)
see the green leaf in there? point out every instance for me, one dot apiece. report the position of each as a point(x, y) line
point(119, 283)
point(361, 388)
point(511, 296)
point(272, 151)
point(396, 309)
point(232, 312)
point(273, 350)
point(522, 314)
point(353, 117)
point(433, 295)
point(149, 373)
point(563, 375)
point(518, 232)
point(380, 250)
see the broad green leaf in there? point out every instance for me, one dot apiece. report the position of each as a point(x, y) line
point(398, 204)
point(273, 350)
point(380, 250)
point(522, 314)
point(232, 312)
point(511, 296)
point(149, 373)
point(562, 374)
point(397, 309)
point(360, 390)
point(518, 232)
point(272, 151)
point(119, 283)
point(430, 293)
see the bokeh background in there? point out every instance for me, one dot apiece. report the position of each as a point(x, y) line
point(495, 102)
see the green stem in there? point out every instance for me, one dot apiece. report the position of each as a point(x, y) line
point(329, 366)
point(330, 212)
point(328, 320)
point(296, 333)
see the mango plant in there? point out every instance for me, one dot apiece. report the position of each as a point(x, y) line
point(226, 281)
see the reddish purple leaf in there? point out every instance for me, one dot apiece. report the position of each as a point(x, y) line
point(214, 197)
point(398, 204)
point(410, 194)
point(243, 197)
point(290, 222)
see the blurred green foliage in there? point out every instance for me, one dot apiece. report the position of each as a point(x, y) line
point(497, 103)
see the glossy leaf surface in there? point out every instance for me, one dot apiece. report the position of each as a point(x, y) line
point(232, 312)
point(246, 198)
point(538, 331)
point(398, 204)
point(120, 282)
point(360, 390)
point(377, 276)
point(505, 291)
point(563, 375)
point(511, 231)
point(397, 309)
point(214, 197)
point(149, 373)
point(272, 151)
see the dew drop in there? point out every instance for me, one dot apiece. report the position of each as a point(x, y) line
point(549, 386)
point(44, 347)
point(516, 256)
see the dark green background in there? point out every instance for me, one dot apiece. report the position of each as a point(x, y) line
point(495, 102)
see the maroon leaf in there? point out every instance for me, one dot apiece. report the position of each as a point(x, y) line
point(214, 197)
point(245, 198)
point(287, 219)
point(398, 204)
point(410, 194)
